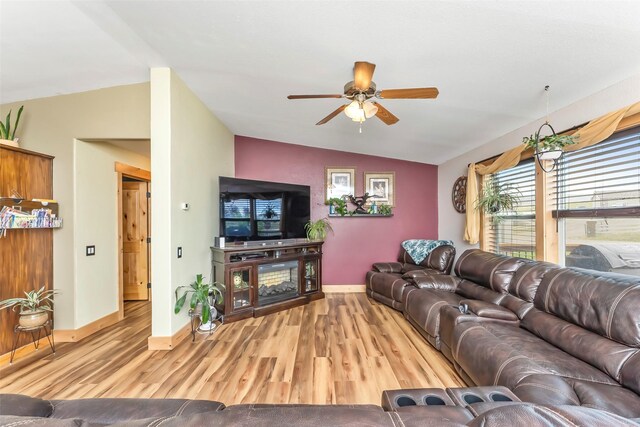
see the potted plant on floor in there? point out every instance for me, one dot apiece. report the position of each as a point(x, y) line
point(317, 230)
point(7, 134)
point(34, 307)
point(497, 197)
point(200, 302)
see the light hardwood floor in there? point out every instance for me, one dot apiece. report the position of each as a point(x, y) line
point(342, 349)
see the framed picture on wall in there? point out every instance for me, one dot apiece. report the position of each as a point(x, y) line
point(380, 185)
point(339, 182)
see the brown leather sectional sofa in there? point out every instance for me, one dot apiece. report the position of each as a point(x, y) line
point(552, 335)
point(388, 281)
point(539, 344)
point(17, 410)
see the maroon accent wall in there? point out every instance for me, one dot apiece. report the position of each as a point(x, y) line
point(356, 242)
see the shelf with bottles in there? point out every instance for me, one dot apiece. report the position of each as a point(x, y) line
point(16, 213)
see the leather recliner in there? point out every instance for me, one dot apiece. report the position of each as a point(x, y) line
point(387, 282)
point(494, 288)
point(579, 344)
point(17, 410)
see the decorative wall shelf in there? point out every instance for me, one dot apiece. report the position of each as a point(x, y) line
point(18, 214)
point(360, 216)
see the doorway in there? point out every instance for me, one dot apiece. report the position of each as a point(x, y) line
point(134, 214)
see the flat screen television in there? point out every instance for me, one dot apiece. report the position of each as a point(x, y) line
point(262, 210)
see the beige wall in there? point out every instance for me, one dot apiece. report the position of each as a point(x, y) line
point(51, 125)
point(96, 224)
point(450, 222)
point(192, 148)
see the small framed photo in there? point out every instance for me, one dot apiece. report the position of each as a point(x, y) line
point(339, 182)
point(380, 185)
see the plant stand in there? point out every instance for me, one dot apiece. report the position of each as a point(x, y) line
point(18, 330)
point(196, 321)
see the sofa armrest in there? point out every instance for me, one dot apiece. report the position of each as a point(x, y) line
point(410, 275)
point(487, 309)
point(437, 281)
point(388, 267)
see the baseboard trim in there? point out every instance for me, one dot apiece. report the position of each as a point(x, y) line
point(43, 346)
point(343, 289)
point(169, 343)
point(75, 335)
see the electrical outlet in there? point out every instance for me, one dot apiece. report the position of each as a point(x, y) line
point(179, 251)
point(91, 250)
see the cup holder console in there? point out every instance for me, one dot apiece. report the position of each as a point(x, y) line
point(472, 398)
point(433, 401)
point(499, 397)
point(393, 400)
point(405, 401)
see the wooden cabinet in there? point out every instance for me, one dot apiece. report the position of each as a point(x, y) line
point(259, 278)
point(26, 254)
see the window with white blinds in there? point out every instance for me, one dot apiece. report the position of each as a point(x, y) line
point(514, 232)
point(598, 205)
point(601, 180)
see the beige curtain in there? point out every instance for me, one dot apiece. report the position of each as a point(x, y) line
point(590, 134)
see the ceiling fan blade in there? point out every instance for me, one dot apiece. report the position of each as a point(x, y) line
point(313, 96)
point(384, 115)
point(332, 115)
point(362, 75)
point(416, 93)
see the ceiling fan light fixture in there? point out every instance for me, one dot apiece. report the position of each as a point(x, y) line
point(354, 112)
point(370, 109)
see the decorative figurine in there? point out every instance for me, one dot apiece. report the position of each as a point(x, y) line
point(360, 202)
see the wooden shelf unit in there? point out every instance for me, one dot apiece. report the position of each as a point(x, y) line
point(237, 268)
point(26, 254)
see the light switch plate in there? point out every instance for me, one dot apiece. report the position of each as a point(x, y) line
point(179, 251)
point(91, 250)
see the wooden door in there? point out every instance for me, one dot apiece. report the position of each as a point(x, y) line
point(135, 253)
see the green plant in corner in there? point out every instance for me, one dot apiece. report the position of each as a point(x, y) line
point(5, 128)
point(384, 209)
point(317, 230)
point(200, 293)
point(496, 198)
point(549, 143)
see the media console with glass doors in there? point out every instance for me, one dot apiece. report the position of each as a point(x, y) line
point(262, 277)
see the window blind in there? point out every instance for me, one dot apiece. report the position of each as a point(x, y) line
point(601, 180)
point(237, 208)
point(514, 233)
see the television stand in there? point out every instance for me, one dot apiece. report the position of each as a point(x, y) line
point(259, 278)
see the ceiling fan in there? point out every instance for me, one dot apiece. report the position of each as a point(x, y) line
point(361, 90)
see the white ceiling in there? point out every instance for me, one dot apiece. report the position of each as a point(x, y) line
point(489, 59)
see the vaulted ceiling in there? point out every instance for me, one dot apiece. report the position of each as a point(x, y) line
point(489, 59)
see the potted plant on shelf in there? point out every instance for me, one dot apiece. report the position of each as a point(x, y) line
point(317, 230)
point(200, 298)
point(550, 147)
point(7, 134)
point(34, 307)
point(337, 205)
point(384, 209)
point(496, 198)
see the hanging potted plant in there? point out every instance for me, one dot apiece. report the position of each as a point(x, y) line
point(549, 147)
point(497, 197)
point(34, 307)
point(7, 133)
point(200, 302)
point(317, 230)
